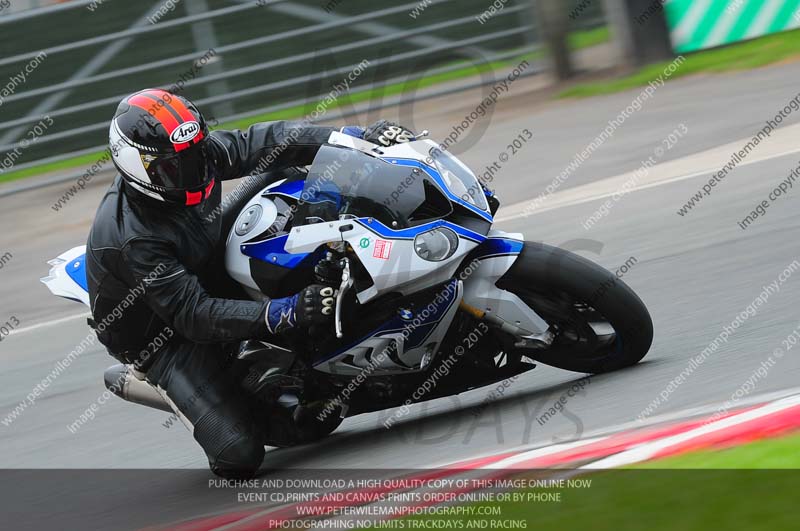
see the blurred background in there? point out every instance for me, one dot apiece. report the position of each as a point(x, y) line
point(244, 61)
point(267, 56)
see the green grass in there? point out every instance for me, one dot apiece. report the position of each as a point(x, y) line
point(783, 452)
point(587, 38)
point(578, 40)
point(738, 488)
point(742, 56)
point(83, 161)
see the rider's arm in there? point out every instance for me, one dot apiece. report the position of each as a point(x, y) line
point(265, 147)
point(177, 297)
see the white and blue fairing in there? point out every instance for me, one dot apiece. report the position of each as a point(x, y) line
point(67, 276)
point(392, 184)
point(384, 243)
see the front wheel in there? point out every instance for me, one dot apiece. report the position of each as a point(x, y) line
point(600, 324)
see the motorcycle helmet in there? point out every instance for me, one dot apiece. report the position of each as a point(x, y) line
point(158, 144)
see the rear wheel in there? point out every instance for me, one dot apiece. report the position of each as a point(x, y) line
point(600, 324)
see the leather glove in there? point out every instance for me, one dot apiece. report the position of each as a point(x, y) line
point(328, 272)
point(312, 309)
point(388, 133)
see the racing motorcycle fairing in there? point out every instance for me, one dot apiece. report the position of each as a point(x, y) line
point(67, 277)
point(393, 215)
point(492, 259)
point(453, 177)
point(406, 342)
point(290, 189)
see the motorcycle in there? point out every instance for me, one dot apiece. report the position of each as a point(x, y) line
point(432, 300)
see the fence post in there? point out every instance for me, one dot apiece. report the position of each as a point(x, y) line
point(553, 25)
point(639, 30)
point(205, 39)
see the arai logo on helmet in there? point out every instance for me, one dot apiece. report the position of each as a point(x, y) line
point(185, 132)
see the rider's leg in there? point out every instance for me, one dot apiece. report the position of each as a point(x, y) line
point(200, 390)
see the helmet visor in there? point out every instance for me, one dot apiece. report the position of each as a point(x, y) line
point(185, 170)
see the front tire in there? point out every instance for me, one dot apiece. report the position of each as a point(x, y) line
point(575, 295)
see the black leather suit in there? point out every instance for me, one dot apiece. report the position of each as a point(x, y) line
point(157, 270)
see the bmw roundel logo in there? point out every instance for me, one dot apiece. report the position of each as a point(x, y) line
point(405, 315)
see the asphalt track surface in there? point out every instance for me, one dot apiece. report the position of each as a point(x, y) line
point(695, 273)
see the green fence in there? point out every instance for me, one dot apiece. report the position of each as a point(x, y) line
point(314, 43)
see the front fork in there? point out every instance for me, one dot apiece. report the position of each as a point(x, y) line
point(525, 338)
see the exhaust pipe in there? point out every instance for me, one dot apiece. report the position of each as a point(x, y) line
point(121, 381)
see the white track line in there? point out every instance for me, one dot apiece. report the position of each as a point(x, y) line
point(46, 324)
point(684, 414)
point(782, 143)
point(508, 462)
point(648, 450)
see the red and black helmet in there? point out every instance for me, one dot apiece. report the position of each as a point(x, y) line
point(158, 144)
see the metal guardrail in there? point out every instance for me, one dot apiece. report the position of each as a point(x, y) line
point(277, 84)
point(433, 42)
point(265, 40)
point(135, 32)
point(338, 114)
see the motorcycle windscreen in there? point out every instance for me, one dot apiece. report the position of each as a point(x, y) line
point(459, 179)
point(343, 183)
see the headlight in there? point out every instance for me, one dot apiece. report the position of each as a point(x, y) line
point(436, 245)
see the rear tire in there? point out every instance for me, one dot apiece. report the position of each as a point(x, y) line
point(567, 290)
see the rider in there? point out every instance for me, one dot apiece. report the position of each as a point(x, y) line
point(154, 261)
